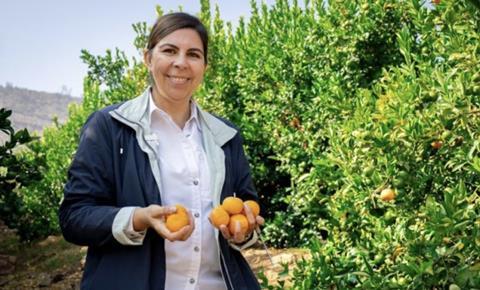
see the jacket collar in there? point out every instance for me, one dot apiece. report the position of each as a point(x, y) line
point(136, 112)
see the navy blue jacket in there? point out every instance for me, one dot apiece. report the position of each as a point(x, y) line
point(114, 167)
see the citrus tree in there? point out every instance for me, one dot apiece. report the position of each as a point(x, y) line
point(16, 170)
point(340, 103)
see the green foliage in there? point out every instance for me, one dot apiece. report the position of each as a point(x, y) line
point(110, 79)
point(273, 75)
point(16, 170)
point(337, 103)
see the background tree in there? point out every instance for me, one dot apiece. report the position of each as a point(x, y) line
point(15, 171)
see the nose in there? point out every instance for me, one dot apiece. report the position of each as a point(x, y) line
point(180, 61)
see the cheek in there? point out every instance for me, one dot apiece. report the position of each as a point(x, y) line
point(157, 64)
point(200, 72)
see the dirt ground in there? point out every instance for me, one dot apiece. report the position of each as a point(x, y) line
point(55, 264)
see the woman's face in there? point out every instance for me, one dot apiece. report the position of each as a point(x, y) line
point(177, 65)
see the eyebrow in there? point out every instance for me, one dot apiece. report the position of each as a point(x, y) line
point(176, 47)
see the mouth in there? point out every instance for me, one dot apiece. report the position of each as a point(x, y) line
point(178, 79)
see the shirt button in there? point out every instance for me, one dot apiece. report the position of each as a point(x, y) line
point(197, 215)
point(195, 182)
point(192, 280)
point(196, 249)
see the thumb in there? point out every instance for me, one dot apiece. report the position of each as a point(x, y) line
point(158, 211)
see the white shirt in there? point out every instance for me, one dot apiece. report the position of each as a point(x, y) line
point(185, 178)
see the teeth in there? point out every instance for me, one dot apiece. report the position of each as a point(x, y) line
point(178, 80)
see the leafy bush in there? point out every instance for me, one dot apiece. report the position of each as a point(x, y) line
point(345, 120)
point(16, 170)
point(111, 79)
point(340, 102)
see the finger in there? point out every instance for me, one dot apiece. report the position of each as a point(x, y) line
point(260, 220)
point(157, 211)
point(238, 236)
point(161, 228)
point(190, 227)
point(191, 220)
point(156, 222)
point(225, 232)
point(250, 217)
point(182, 234)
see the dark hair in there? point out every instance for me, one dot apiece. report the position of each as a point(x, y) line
point(171, 22)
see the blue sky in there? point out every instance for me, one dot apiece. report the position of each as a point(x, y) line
point(40, 41)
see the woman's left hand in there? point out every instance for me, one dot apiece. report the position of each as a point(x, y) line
point(238, 236)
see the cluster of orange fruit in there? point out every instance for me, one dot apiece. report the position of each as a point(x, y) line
point(231, 213)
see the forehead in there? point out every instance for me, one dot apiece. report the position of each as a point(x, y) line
point(184, 38)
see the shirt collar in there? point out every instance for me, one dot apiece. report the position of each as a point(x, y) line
point(152, 107)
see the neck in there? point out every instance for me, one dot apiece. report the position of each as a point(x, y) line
point(178, 111)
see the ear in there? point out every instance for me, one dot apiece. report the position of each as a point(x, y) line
point(147, 58)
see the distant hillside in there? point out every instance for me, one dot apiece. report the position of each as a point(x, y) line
point(33, 110)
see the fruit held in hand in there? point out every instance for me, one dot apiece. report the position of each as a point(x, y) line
point(387, 194)
point(219, 216)
point(254, 207)
point(233, 205)
point(177, 220)
point(238, 220)
point(231, 214)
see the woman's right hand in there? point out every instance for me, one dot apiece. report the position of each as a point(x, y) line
point(154, 217)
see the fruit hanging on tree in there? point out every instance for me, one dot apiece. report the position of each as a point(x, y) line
point(387, 194)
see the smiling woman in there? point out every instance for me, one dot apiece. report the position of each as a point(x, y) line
point(138, 159)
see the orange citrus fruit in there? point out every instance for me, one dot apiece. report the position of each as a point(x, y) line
point(177, 220)
point(219, 216)
point(238, 219)
point(387, 194)
point(181, 209)
point(254, 207)
point(233, 205)
point(436, 144)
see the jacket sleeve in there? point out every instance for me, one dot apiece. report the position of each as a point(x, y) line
point(88, 208)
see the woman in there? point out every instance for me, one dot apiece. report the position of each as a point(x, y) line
point(137, 159)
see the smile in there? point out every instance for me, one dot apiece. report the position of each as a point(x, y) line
point(178, 80)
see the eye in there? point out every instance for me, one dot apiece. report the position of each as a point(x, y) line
point(194, 54)
point(168, 51)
